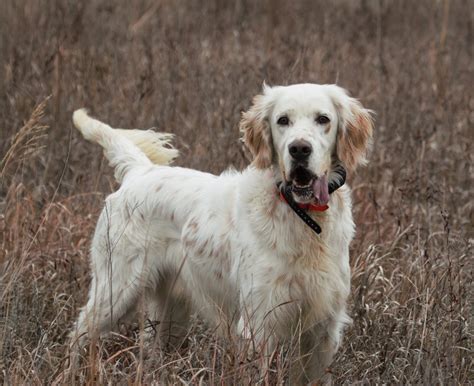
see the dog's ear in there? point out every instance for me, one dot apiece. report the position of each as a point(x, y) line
point(354, 136)
point(256, 133)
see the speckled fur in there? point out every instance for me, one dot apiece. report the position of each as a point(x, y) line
point(227, 243)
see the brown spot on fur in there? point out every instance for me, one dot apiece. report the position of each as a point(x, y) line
point(202, 248)
point(216, 252)
point(193, 226)
point(281, 279)
point(189, 242)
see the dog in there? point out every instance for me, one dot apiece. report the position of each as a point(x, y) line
point(231, 246)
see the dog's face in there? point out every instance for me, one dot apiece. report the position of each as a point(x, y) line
point(303, 130)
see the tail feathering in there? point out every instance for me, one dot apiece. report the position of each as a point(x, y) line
point(126, 149)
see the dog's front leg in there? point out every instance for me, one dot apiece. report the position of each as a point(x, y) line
point(313, 355)
point(264, 319)
point(257, 343)
point(316, 349)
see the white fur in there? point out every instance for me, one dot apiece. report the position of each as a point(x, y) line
point(226, 242)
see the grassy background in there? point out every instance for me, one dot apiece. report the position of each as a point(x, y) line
point(190, 68)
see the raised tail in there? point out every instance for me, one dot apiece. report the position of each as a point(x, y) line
point(126, 149)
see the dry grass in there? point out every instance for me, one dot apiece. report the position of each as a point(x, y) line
point(189, 69)
point(26, 143)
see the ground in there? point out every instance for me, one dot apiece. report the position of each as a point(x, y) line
point(190, 68)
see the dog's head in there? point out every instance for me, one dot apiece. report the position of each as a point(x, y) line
point(302, 130)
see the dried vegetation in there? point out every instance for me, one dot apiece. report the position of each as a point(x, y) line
point(190, 68)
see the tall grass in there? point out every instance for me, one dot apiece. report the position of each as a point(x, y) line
point(190, 68)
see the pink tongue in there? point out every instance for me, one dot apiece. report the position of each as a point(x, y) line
point(320, 190)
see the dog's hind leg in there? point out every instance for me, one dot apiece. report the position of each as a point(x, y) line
point(169, 311)
point(111, 298)
point(120, 272)
point(168, 305)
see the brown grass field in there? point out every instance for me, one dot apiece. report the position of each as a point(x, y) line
point(190, 68)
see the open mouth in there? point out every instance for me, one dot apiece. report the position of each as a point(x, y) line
point(307, 187)
point(303, 192)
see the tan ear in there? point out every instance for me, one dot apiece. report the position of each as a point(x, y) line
point(256, 133)
point(354, 139)
point(355, 129)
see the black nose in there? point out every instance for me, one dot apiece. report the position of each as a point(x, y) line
point(300, 150)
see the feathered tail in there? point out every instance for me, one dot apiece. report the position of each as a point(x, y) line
point(126, 149)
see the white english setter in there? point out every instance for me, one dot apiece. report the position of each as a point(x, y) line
point(231, 245)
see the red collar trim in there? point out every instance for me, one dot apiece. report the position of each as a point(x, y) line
point(309, 207)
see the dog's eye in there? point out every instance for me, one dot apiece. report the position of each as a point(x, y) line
point(322, 120)
point(283, 121)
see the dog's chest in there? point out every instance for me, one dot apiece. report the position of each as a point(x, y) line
point(285, 257)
